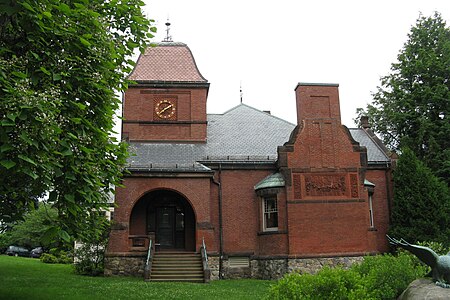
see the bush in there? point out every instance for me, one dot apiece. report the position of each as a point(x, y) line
point(90, 259)
point(437, 247)
point(327, 284)
point(387, 276)
point(56, 256)
point(49, 258)
point(377, 277)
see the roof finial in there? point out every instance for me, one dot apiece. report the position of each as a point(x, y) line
point(168, 37)
point(240, 90)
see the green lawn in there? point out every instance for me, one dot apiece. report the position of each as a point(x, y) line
point(27, 278)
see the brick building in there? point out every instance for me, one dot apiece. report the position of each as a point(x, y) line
point(265, 195)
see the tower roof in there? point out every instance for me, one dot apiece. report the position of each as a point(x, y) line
point(167, 62)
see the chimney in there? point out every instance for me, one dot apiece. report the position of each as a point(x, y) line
point(364, 122)
point(317, 101)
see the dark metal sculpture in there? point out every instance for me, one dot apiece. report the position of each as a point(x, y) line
point(440, 265)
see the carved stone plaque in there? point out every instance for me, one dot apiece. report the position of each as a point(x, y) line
point(325, 185)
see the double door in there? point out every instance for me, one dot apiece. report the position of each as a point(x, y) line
point(170, 227)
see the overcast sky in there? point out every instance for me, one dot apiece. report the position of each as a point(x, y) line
point(270, 46)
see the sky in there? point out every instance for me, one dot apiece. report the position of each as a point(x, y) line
point(268, 47)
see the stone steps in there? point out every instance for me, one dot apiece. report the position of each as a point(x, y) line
point(177, 266)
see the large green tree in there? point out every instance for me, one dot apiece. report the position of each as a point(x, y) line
point(62, 66)
point(411, 108)
point(421, 210)
point(32, 230)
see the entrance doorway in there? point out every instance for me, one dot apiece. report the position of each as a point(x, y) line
point(170, 229)
point(168, 218)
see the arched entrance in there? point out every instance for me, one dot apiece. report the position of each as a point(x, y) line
point(167, 217)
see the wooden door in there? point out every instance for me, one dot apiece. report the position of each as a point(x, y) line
point(165, 229)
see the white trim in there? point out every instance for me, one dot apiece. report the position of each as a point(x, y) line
point(372, 224)
point(271, 211)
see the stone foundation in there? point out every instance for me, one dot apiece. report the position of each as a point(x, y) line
point(125, 265)
point(213, 264)
point(314, 265)
point(259, 268)
point(275, 268)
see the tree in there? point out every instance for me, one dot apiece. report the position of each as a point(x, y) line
point(411, 108)
point(421, 210)
point(62, 64)
point(32, 231)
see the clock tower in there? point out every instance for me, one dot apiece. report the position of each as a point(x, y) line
point(167, 102)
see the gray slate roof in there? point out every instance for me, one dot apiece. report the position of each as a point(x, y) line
point(242, 134)
point(375, 154)
point(246, 131)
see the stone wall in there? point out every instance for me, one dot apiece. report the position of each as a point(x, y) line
point(314, 265)
point(267, 269)
point(213, 264)
point(125, 266)
point(272, 269)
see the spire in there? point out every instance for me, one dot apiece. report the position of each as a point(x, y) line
point(168, 37)
point(240, 91)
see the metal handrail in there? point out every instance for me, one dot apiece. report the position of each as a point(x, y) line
point(204, 250)
point(147, 268)
point(206, 270)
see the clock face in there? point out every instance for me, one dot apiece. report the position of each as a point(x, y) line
point(165, 109)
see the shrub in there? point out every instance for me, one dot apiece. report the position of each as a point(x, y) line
point(387, 276)
point(327, 284)
point(56, 256)
point(377, 277)
point(437, 247)
point(49, 258)
point(90, 259)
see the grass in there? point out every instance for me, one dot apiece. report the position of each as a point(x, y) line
point(27, 278)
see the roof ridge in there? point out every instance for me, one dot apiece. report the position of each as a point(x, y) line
point(255, 109)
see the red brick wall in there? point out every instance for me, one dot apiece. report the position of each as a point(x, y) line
point(328, 211)
point(240, 207)
point(317, 102)
point(323, 210)
point(139, 107)
point(242, 216)
point(321, 228)
point(380, 205)
point(195, 190)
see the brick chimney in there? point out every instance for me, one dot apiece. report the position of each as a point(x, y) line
point(317, 101)
point(320, 141)
point(364, 122)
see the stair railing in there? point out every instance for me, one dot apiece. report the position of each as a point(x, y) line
point(148, 262)
point(206, 270)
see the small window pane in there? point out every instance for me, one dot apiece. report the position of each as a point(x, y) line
point(270, 221)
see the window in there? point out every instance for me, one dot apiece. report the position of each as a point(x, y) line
point(270, 213)
point(372, 225)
